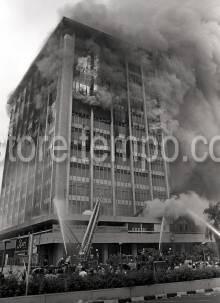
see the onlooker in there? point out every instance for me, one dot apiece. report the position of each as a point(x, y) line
point(83, 273)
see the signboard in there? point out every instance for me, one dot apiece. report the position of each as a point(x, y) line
point(22, 245)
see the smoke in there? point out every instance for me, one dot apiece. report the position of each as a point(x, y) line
point(102, 97)
point(182, 205)
point(184, 39)
point(50, 62)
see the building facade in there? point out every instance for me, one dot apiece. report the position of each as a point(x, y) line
point(87, 92)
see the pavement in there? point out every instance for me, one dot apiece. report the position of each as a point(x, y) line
point(204, 298)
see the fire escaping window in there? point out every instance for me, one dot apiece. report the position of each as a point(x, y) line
point(85, 75)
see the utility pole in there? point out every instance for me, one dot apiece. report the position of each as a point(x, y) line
point(120, 252)
point(30, 252)
point(4, 255)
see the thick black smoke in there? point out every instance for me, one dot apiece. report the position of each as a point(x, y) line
point(186, 35)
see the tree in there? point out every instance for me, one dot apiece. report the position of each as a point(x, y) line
point(213, 213)
point(203, 251)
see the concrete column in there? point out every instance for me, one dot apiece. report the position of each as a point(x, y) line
point(91, 159)
point(166, 168)
point(147, 136)
point(105, 253)
point(113, 161)
point(2, 207)
point(130, 141)
point(134, 249)
point(63, 122)
point(4, 187)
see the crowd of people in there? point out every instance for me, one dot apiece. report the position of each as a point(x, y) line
point(119, 263)
point(148, 259)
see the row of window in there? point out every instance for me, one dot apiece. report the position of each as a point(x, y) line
point(79, 135)
point(123, 193)
point(162, 195)
point(158, 181)
point(102, 191)
point(79, 189)
point(140, 227)
point(121, 175)
point(120, 123)
point(142, 195)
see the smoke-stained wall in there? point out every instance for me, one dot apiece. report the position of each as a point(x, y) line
point(27, 184)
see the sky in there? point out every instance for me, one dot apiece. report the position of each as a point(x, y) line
point(24, 26)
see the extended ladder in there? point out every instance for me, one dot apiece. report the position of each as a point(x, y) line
point(87, 239)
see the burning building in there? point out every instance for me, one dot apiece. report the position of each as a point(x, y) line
point(89, 91)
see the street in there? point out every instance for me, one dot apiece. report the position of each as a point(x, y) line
point(206, 298)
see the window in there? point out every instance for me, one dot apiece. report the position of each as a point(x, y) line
point(140, 227)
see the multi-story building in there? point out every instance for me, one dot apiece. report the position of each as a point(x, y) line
point(85, 83)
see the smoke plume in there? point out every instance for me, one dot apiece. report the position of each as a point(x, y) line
point(185, 37)
point(178, 206)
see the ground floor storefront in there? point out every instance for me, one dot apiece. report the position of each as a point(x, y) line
point(113, 237)
point(51, 253)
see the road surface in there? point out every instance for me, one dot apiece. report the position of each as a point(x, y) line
point(203, 298)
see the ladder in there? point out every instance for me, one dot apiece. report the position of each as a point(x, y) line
point(87, 239)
